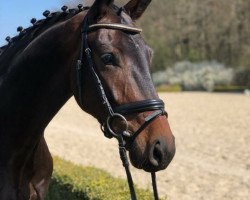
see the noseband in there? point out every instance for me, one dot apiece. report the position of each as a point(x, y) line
point(125, 139)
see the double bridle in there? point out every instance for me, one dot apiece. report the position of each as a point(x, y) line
point(125, 139)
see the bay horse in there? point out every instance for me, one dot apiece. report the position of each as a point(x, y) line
point(38, 74)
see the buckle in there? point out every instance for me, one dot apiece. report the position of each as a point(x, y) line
point(88, 50)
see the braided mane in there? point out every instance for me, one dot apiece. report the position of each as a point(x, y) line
point(18, 43)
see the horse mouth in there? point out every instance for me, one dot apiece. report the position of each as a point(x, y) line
point(155, 167)
point(157, 157)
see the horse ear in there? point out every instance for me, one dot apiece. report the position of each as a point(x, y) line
point(135, 8)
point(98, 9)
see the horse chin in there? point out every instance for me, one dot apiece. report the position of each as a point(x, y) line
point(136, 155)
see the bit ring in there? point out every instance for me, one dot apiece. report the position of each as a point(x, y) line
point(119, 116)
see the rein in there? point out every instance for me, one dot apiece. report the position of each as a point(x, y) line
point(125, 139)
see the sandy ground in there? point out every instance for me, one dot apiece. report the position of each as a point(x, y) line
point(212, 138)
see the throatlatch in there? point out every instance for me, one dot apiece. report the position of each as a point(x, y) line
point(125, 139)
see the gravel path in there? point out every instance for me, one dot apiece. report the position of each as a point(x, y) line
point(212, 138)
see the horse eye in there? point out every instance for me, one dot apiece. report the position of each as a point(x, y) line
point(108, 59)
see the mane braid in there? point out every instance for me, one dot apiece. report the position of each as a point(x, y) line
point(21, 41)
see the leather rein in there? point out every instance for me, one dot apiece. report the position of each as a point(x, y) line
point(125, 139)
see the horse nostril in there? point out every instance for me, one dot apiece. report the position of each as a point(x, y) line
point(156, 154)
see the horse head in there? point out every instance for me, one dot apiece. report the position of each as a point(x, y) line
point(122, 60)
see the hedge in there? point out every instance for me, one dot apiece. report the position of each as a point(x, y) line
point(230, 88)
point(72, 182)
point(169, 88)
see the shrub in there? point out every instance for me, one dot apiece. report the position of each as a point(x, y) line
point(195, 76)
point(242, 77)
point(71, 182)
point(169, 88)
point(230, 88)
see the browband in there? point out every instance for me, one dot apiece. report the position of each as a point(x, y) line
point(114, 26)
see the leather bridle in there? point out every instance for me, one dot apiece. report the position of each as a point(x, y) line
point(125, 139)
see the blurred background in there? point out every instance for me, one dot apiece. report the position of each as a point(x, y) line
point(198, 45)
point(201, 46)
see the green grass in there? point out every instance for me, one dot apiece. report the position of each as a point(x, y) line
point(72, 182)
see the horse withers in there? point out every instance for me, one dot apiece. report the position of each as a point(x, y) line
point(38, 74)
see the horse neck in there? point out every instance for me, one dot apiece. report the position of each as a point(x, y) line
point(39, 80)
